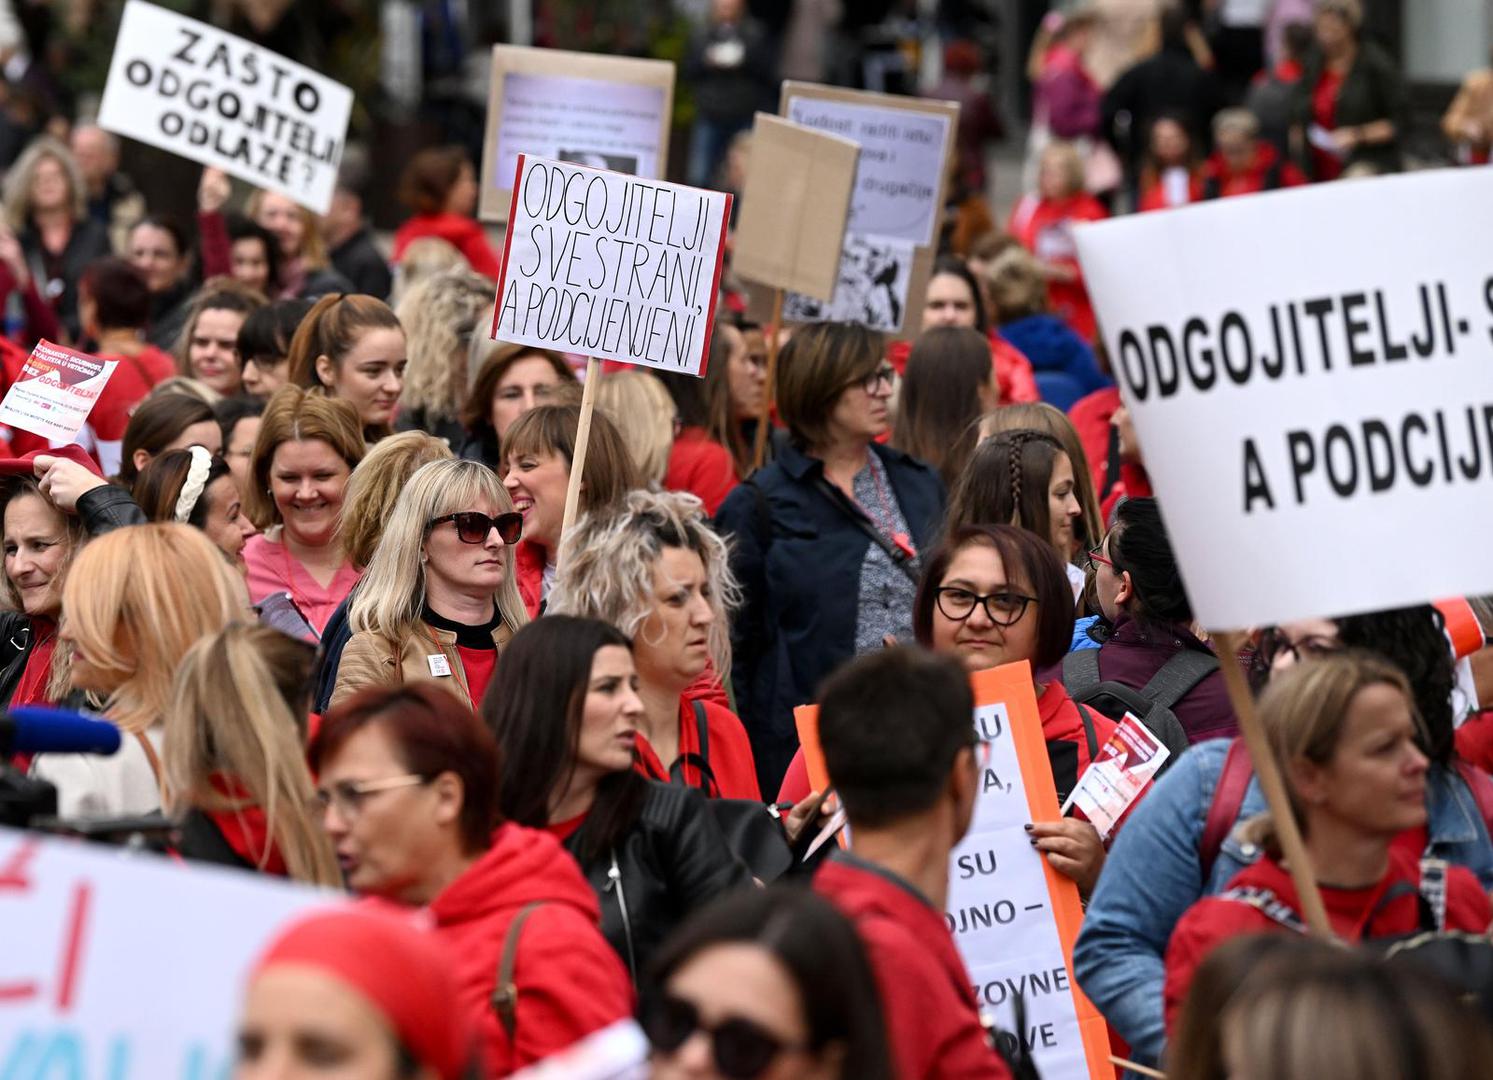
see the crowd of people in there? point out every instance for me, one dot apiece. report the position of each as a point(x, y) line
point(309, 554)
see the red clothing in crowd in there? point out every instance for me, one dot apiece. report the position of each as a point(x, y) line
point(730, 753)
point(1325, 164)
point(461, 232)
point(701, 466)
point(1045, 228)
point(271, 569)
point(1013, 371)
point(1154, 194)
point(570, 981)
point(1268, 170)
point(528, 567)
point(31, 687)
point(246, 829)
point(1091, 418)
point(1355, 914)
point(478, 666)
point(1474, 740)
point(932, 1017)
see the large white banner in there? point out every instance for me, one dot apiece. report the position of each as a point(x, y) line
point(194, 90)
point(1310, 373)
point(126, 966)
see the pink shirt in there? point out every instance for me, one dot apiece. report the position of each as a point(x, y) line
point(272, 569)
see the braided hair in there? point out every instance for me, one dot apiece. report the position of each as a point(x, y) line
point(1006, 483)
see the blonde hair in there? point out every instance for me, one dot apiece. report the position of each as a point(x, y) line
point(423, 258)
point(185, 386)
point(313, 253)
point(1016, 286)
point(292, 415)
point(238, 710)
point(374, 487)
point(641, 408)
point(74, 536)
point(18, 180)
point(391, 595)
point(136, 600)
point(1070, 160)
point(1050, 420)
point(442, 315)
point(608, 561)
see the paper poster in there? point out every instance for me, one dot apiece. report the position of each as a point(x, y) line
point(1291, 408)
point(190, 88)
point(127, 966)
point(1013, 917)
point(611, 266)
point(791, 224)
point(870, 287)
point(55, 392)
point(1115, 779)
point(606, 112)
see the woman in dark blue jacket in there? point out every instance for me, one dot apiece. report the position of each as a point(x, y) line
point(827, 538)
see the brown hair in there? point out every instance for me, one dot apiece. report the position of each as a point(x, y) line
point(476, 414)
point(1006, 483)
point(157, 423)
point(217, 294)
point(1040, 416)
point(609, 472)
point(160, 482)
point(938, 409)
point(1016, 285)
point(819, 363)
point(721, 423)
point(332, 328)
point(294, 414)
point(429, 177)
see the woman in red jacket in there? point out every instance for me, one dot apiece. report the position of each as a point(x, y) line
point(1043, 222)
point(1171, 175)
point(440, 186)
point(409, 790)
point(1342, 729)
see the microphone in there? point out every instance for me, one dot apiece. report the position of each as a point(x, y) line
point(35, 729)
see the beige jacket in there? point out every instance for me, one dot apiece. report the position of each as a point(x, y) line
point(370, 659)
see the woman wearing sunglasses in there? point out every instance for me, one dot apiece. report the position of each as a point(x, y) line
point(438, 599)
point(765, 985)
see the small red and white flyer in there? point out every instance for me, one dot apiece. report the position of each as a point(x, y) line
point(55, 392)
point(1114, 780)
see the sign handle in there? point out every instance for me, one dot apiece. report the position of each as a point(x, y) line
point(582, 439)
point(764, 420)
point(1293, 850)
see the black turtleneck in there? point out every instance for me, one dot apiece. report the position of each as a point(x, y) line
point(468, 637)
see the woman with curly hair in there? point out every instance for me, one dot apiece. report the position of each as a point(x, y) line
point(443, 317)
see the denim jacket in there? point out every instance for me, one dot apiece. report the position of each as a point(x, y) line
point(1154, 874)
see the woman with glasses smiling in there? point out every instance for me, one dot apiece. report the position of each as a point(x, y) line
point(439, 597)
point(827, 538)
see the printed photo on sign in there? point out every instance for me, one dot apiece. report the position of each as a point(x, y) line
point(55, 391)
point(585, 121)
point(871, 289)
point(611, 266)
point(190, 88)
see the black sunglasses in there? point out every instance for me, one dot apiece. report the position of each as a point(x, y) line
point(472, 527)
point(741, 1048)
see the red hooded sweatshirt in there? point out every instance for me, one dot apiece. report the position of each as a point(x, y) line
point(1045, 228)
point(932, 1018)
point(1388, 909)
point(461, 232)
point(570, 981)
point(729, 753)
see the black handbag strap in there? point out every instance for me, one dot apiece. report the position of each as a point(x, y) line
point(700, 762)
point(900, 559)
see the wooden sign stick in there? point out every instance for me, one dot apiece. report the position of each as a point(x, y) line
point(764, 420)
point(1293, 849)
point(578, 462)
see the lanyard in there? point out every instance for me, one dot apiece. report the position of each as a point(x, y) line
point(457, 670)
point(886, 524)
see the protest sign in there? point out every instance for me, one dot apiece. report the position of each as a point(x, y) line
point(791, 224)
point(1115, 779)
point(196, 91)
point(896, 205)
point(127, 966)
point(55, 392)
point(1319, 430)
point(1014, 918)
point(611, 266)
point(609, 112)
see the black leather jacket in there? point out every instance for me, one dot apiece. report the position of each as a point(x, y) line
point(671, 862)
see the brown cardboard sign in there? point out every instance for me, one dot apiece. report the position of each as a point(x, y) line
point(604, 112)
point(793, 207)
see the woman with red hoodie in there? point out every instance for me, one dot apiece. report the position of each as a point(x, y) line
point(440, 186)
point(409, 790)
point(1043, 222)
point(1342, 729)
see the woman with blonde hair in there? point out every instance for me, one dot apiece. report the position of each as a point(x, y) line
point(439, 598)
point(425, 257)
point(45, 203)
point(639, 404)
point(135, 601)
point(235, 761)
point(441, 316)
point(305, 269)
point(353, 348)
point(656, 571)
point(306, 449)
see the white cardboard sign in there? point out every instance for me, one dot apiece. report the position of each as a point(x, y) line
point(196, 91)
point(611, 266)
point(127, 966)
point(1312, 390)
point(54, 393)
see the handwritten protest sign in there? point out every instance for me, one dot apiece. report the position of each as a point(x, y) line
point(609, 112)
point(1319, 430)
point(611, 266)
point(1116, 777)
point(1013, 917)
point(196, 91)
point(85, 991)
point(55, 392)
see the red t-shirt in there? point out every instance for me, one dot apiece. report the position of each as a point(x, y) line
point(478, 665)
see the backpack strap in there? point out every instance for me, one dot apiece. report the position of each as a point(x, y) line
point(700, 761)
point(1433, 873)
point(1228, 797)
point(1088, 726)
point(1481, 787)
point(1267, 904)
point(504, 998)
point(1081, 673)
point(899, 556)
point(1178, 675)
